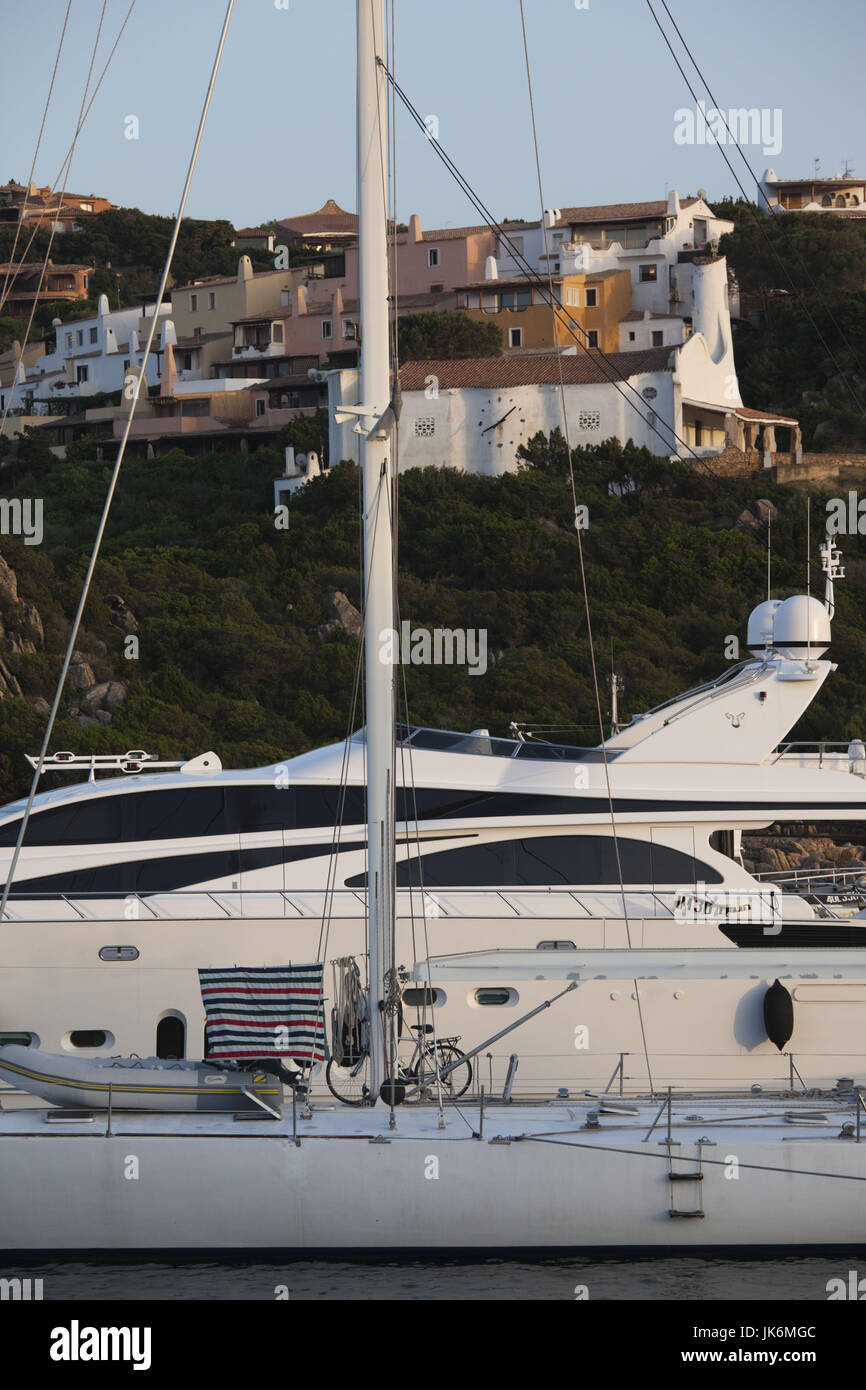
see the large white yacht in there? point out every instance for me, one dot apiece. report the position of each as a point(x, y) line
point(125, 886)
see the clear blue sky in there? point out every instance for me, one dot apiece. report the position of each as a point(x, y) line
point(280, 134)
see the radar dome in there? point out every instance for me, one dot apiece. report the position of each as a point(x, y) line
point(801, 628)
point(759, 634)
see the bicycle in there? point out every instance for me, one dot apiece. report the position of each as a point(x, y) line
point(348, 1080)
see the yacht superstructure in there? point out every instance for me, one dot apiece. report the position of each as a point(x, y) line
point(126, 886)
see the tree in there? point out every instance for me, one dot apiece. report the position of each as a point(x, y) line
point(450, 334)
point(34, 448)
point(306, 433)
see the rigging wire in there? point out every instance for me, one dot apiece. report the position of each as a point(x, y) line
point(803, 265)
point(121, 450)
point(583, 578)
point(56, 221)
point(768, 241)
point(68, 156)
point(599, 357)
point(21, 217)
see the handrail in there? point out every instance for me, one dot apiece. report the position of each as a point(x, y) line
point(663, 904)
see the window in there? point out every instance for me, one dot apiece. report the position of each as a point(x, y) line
point(591, 299)
point(126, 364)
point(658, 337)
point(516, 300)
point(88, 1037)
point(193, 303)
point(261, 407)
point(327, 328)
point(515, 248)
point(648, 273)
point(276, 332)
point(556, 946)
point(515, 337)
point(196, 332)
point(538, 861)
point(631, 337)
point(17, 1039)
point(349, 329)
point(437, 289)
point(171, 1037)
point(570, 295)
point(496, 997)
point(432, 257)
point(286, 298)
point(425, 427)
point(589, 419)
point(423, 998)
point(81, 337)
point(211, 299)
point(592, 338)
point(94, 334)
point(70, 339)
point(81, 374)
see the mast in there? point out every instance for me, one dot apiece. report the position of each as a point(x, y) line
point(378, 536)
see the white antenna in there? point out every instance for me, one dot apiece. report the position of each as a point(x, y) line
point(769, 554)
point(809, 574)
point(830, 558)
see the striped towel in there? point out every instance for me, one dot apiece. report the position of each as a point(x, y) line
point(264, 1011)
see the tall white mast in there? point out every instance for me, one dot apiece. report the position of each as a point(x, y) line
point(378, 533)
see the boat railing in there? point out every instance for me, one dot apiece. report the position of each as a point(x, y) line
point(798, 879)
point(690, 903)
point(826, 751)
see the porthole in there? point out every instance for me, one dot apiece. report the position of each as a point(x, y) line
point(423, 998)
point(88, 1038)
point(556, 946)
point(18, 1040)
point(118, 953)
point(496, 997)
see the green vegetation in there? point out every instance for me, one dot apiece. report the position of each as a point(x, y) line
point(426, 337)
point(127, 249)
point(227, 605)
point(805, 275)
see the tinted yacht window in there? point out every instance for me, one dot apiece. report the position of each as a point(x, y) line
point(171, 814)
point(550, 859)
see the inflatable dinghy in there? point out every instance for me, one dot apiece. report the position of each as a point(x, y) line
point(136, 1083)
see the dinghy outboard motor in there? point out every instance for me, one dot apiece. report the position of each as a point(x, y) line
point(778, 1014)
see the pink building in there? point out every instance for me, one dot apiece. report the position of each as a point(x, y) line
point(322, 319)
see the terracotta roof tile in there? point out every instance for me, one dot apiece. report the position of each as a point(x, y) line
point(612, 212)
point(485, 373)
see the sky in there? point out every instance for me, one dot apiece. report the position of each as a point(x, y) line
point(280, 134)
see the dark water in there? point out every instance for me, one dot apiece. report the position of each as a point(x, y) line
point(787, 1279)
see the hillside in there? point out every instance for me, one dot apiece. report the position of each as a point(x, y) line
point(226, 607)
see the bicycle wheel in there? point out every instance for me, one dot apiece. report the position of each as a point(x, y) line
point(350, 1083)
point(457, 1081)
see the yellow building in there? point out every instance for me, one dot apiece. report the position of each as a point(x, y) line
point(592, 307)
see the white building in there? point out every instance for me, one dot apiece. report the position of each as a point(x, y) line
point(842, 194)
point(92, 355)
point(474, 414)
point(656, 242)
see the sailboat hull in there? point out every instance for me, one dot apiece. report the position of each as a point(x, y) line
point(536, 1180)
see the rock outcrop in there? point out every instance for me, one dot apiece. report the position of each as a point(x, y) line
point(343, 616)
